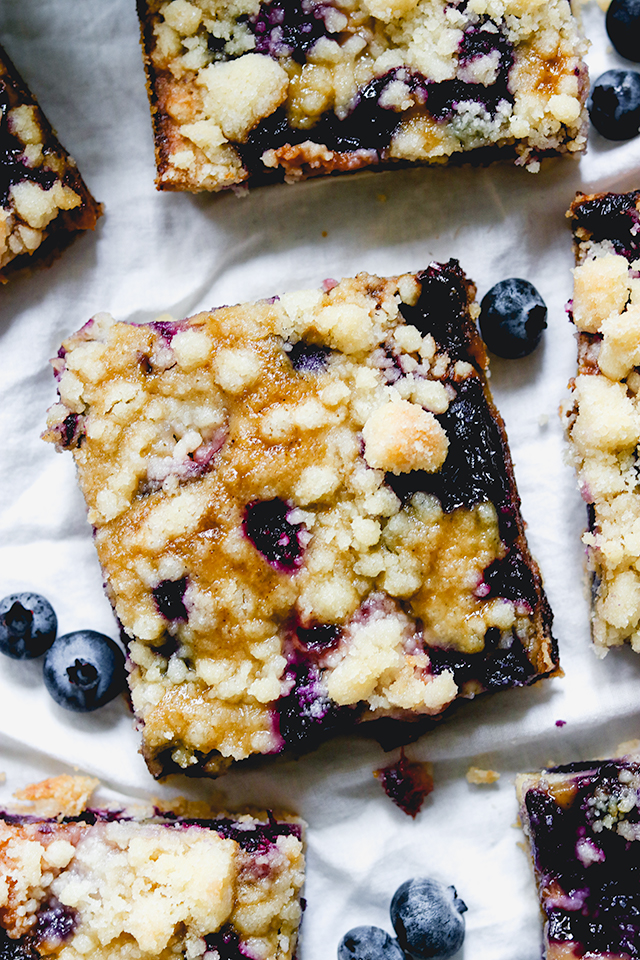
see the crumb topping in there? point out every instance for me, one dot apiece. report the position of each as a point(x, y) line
point(41, 184)
point(130, 889)
point(371, 80)
point(235, 468)
point(480, 777)
point(602, 420)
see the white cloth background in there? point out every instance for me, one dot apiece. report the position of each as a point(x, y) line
point(157, 252)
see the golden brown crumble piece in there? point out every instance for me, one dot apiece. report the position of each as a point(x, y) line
point(481, 777)
point(602, 414)
point(257, 91)
point(57, 796)
point(43, 200)
point(144, 883)
point(306, 515)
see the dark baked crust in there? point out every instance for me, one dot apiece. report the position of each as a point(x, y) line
point(30, 153)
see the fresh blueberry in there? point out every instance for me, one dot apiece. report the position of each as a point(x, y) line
point(84, 670)
point(427, 917)
point(369, 943)
point(28, 625)
point(623, 27)
point(614, 104)
point(512, 318)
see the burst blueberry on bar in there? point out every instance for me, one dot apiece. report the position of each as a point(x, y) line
point(602, 413)
point(256, 92)
point(582, 824)
point(305, 512)
point(150, 882)
point(43, 200)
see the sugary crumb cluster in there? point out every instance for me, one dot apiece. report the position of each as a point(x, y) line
point(138, 884)
point(43, 200)
point(257, 91)
point(602, 415)
point(305, 512)
point(582, 823)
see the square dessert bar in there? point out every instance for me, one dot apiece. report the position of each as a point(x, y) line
point(258, 91)
point(305, 513)
point(43, 200)
point(150, 883)
point(582, 822)
point(602, 414)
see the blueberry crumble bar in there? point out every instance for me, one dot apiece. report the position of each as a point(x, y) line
point(257, 91)
point(602, 414)
point(43, 200)
point(146, 882)
point(305, 512)
point(582, 823)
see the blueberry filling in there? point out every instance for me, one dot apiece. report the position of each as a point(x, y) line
point(597, 869)
point(12, 168)
point(307, 357)
point(319, 637)
point(613, 217)
point(493, 668)
point(369, 125)
point(307, 716)
point(267, 525)
point(13, 949)
point(71, 434)
point(441, 309)
point(169, 599)
point(512, 579)
point(474, 470)
point(287, 29)
point(55, 923)
point(227, 944)
point(168, 328)
point(251, 837)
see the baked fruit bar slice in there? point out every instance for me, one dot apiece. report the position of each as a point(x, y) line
point(146, 882)
point(602, 415)
point(258, 91)
point(583, 827)
point(44, 201)
point(305, 512)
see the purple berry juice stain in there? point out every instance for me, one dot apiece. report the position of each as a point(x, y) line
point(407, 783)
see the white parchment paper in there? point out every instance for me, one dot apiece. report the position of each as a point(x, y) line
point(154, 253)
